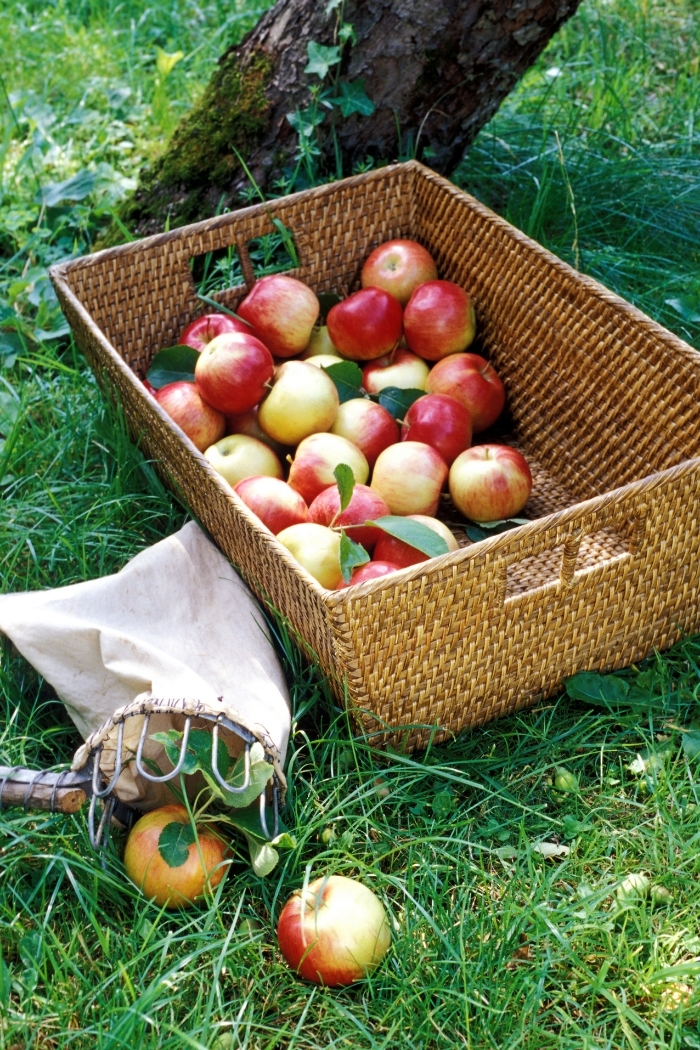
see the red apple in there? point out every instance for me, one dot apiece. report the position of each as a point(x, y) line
point(283, 312)
point(201, 332)
point(302, 400)
point(186, 406)
point(401, 554)
point(150, 389)
point(317, 457)
point(371, 571)
point(441, 421)
point(474, 382)
point(232, 372)
point(276, 504)
point(402, 369)
point(399, 267)
point(171, 877)
point(238, 456)
point(368, 425)
point(365, 325)
point(364, 505)
point(334, 931)
point(410, 477)
point(439, 320)
point(490, 482)
point(247, 423)
point(317, 549)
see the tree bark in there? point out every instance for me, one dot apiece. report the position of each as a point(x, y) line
point(436, 71)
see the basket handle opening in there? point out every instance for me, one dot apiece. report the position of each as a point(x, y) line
point(232, 268)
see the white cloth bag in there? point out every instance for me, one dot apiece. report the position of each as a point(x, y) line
point(174, 633)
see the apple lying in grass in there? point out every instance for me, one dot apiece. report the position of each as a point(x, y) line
point(317, 549)
point(276, 504)
point(168, 863)
point(283, 312)
point(399, 267)
point(232, 372)
point(302, 400)
point(238, 456)
point(440, 421)
point(410, 477)
point(186, 407)
point(473, 381)
point(439, 320)
point(373, 570)
point(397, 552)
point(368, 425)
point(402, 369)
point(315, 460)
point(334, 931)
point(365, 505)
point(490, 482)
point(365, 325)
point(201, 332)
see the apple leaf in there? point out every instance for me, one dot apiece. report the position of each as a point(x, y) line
point(172, 742)
point(481, 530)
point(351, 555)
point(263, 856)
point(602, 690)
point(174, 842)
point(414, 533)
point(353, 99)
point(326, 300)
point(248, 821)
point(347, 377)
point(346, 484)
point(260, 773)
point(172, 365)
point(321, 58)
point(398, 401)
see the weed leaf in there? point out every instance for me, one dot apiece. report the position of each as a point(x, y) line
point(353, 99)
point(604, 690)
point(321, 58)
point(74, 189)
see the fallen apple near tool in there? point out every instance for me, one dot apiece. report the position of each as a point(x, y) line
point(334, 931)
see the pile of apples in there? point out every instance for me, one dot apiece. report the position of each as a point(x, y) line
point(272, 387)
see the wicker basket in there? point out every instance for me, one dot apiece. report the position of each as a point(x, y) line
point(603, 402)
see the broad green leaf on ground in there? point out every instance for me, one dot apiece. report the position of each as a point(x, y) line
point(74, 189)
point(346, 484)
point(166, 62)
point(347, 377)
point(5, 984)
point(691, 743)
point(354, 99)
point(320, 58)
point(414, 533)
point(398, 401)
point(172, 365)
point(174, 842)
point(600, 689)
point(352, 555)
point(688, 306)
point(9, 410)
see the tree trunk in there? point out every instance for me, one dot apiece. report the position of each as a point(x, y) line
point(435, 70)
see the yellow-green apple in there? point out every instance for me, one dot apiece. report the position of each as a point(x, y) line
point(316, 458)
point(186, 407)
point(320, 343)
point(232, 372)
point(371, 571)
point(368, 425)
point(302, 400)
point(334, 931)
point(402, 369)
point(238, 456)
point(401, 554)
point(399, 267)
point(247, 423)
point(276, 504)
point(490, 482)
point(441, 421)
point(323, 360)
point(439, 319)
point(169, 865)
point(365, 504)
point(317, 549)
point(365, 325)
point(410, 477)
point(201, 332)
point(473, 381)
point(283, 312)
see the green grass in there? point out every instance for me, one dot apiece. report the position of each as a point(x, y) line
point(495, 945)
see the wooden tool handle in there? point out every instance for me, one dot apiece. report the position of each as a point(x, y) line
point(34, 789)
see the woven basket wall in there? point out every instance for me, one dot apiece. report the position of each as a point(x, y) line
point(603, 402)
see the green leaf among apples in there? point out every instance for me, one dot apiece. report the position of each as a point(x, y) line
point(172, 365)
point(481, 530)
point(352, 555)
point(414, 533)
point(346, 484)
point(347, 377)
point(398, 401)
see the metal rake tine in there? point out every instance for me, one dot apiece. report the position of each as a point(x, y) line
point(263, 818)
point(276, 806)
point(180, 762)
point(215, 765)
point(117, 767)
